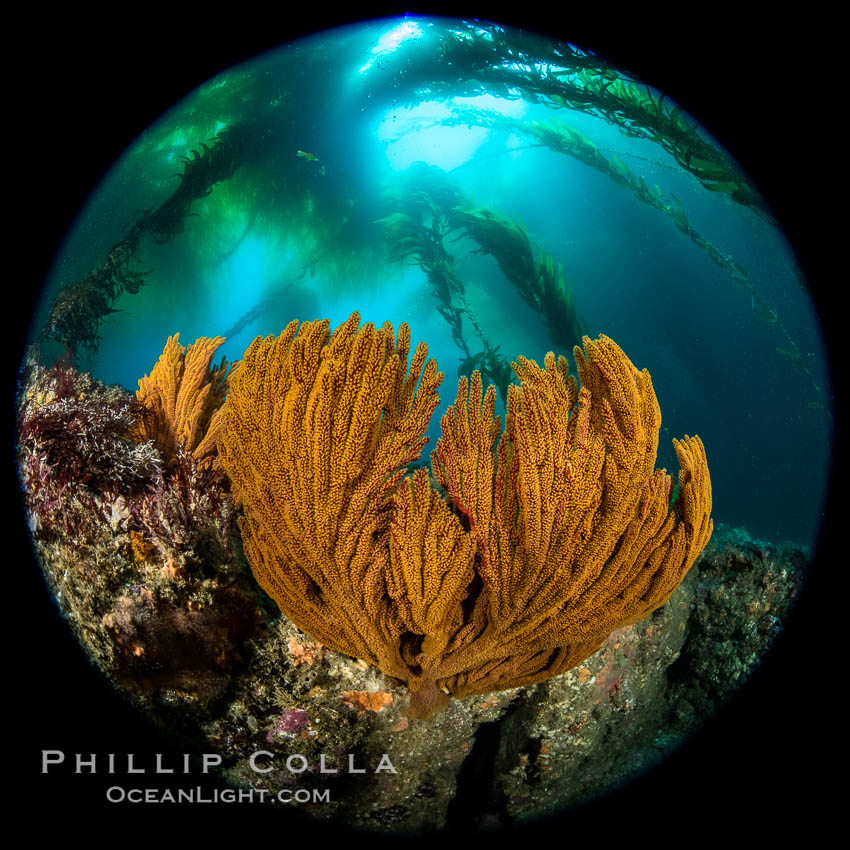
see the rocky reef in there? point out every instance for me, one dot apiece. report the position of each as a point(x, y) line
point(147, 565)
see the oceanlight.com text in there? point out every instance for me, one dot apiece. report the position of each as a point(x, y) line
point(117, 794)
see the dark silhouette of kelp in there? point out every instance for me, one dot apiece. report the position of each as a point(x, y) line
point(79, 308)
point(430, 207)
point(475, 58)
point(425, 201)
point(561, 138)
point(540, 282)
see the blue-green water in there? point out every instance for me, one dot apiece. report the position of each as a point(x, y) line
point(299, 237)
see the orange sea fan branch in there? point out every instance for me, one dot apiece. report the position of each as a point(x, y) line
point(184, 395)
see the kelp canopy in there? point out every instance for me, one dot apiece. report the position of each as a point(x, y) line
point(478, 58)
point(443, 176)
point(253, 116)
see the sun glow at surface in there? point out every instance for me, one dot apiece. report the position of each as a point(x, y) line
point(417, 134)
point(391, 39)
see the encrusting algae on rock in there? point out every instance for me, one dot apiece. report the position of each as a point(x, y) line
point(541, 543)
point(138, 543)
